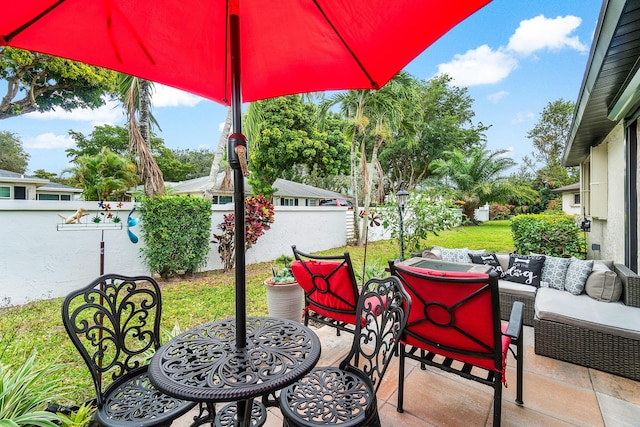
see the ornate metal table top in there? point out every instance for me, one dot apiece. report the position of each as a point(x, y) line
point(203, 364)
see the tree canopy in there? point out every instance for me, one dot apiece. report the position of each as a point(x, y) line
point(12, 156)
point(476, 178)
point(116, 138)
point(38, 82)
point(288, 143)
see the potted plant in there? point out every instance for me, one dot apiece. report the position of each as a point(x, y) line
point(284, 295)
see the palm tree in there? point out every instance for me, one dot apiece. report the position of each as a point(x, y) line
point(476, 178)
point(135, 95)
point(360, 107)
point(105, 176)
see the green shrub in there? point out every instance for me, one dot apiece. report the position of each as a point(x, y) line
point(176, 233)
point(555, 234)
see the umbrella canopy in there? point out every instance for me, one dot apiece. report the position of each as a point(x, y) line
point(284, 47)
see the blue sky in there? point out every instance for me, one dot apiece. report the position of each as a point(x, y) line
point(515, 56)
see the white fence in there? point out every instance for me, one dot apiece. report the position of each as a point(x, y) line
point(37, 260)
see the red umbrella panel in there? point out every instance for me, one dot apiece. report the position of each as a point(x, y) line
point(284, 47)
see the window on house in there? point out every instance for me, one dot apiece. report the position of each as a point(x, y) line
point(65, 197)
point(5, 192)
point(576, 199)
point(48, 197)
point(20, 193)
point(221, 200)
point(287, 202)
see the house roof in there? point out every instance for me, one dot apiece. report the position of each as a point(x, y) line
point(570, 187)
point(284, 188)
point(8, 176)
point(609, 86)
point(54, 186)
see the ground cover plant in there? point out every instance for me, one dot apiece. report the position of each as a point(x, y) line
point(196, 299)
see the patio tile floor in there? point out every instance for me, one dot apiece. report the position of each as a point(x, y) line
point(556, 393)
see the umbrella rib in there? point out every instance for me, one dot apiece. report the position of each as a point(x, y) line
point(374, 85)
point(27, 24)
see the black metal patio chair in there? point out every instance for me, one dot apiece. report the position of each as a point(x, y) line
point(346, 395)
point(454, 325)
point(330, 289)
point(114, 322)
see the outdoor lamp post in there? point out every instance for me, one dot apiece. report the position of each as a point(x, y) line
point(402, 195)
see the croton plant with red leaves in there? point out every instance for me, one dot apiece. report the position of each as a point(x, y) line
point(259, 216)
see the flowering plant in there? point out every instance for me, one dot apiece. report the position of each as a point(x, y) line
point(259, 216)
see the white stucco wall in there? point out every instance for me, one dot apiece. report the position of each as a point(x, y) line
point(38, 261)
point(609, 233)
point(568, 205)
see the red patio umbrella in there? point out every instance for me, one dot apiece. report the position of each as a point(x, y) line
point(285, 47)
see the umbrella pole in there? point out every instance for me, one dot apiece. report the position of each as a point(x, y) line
point(238, 182)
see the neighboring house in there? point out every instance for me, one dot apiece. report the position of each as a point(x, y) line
point(603, 138)
point(287, 193)
point(570, 198)
point(16, 186)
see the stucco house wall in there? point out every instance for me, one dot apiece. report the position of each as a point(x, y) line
point(608, 232)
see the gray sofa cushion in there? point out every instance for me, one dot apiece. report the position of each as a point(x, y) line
point(554, 271)
point(584, 312)
point(514, 288)
point(603, 284)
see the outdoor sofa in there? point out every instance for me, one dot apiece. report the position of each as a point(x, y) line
point(597, 325)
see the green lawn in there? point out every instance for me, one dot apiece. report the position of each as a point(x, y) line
point(208, 296)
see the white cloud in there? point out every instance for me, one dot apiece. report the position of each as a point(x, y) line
point(221, 126)
point(541, 33)
point(522, 117)
point(494, 98)
point(508, 152)
point(110, 113)
point(165, 96)
point(49, 141)
point(482, 65)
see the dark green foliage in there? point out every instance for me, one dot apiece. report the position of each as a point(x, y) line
point(555, 234)
point(12, 156)
point(176, 233)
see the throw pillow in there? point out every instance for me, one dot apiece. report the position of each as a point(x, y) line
point(525, 269)
point(577, 274)
point(455, 255)
point(487, 259)
point(603, 285)
point(554, 271)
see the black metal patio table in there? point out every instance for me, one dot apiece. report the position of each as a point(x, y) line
point(204, 365)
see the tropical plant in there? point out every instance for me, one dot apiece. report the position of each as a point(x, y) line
point(105, 176)
point(25, 391)
point(135, 94)
point(259, 215)
point(476, 178)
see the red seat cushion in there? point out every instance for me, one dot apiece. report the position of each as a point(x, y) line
point(328, 287)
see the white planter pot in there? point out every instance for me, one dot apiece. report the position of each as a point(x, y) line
point(285, 300)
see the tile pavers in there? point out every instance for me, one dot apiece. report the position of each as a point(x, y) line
point(556, 393)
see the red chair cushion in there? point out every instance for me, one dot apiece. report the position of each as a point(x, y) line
point(448, 320)
point(325, 293)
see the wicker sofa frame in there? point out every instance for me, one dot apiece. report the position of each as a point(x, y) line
point(605, 352)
